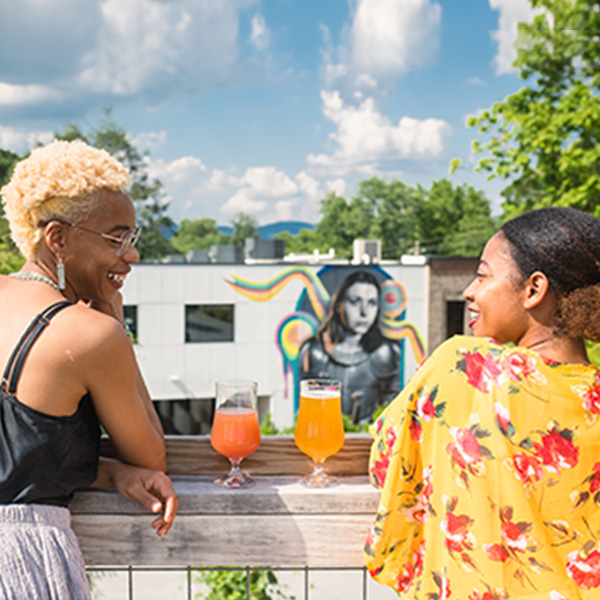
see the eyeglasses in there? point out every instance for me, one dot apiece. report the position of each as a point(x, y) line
point(123, 242)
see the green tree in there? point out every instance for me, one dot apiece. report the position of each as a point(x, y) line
point(146, 192)
point(453, 220)
point(342, 222)
point(545, 139)
point(244, 226)
point(8, 160)
point(393, 205)
point(10, 258)
point(198, 234)
point(304, 242)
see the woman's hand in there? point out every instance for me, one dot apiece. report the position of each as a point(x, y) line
point(152, 489)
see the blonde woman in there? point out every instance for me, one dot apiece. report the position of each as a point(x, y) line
point(69, 367)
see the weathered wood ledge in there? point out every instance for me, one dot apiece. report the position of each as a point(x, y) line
point(277, 522)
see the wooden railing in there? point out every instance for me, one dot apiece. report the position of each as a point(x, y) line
point(277, 522)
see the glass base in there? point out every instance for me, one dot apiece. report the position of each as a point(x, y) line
point(235, 478)
point(235, 481)
point(318, 478)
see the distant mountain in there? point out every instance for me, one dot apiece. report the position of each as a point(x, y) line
point(268, 232)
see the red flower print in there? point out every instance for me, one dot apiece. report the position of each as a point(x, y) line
point(495, 552)
point(527, 468)
point(518, 365)
point(416, 431)
point(412, 570)
point(483, 372)
point(556, 451)
point(425, 408)
point(513, 537)
point(380, 468)
point(595, 478)
point(503, 418)
point(475, 595)
point(457, 532)
point(585, 572)
point(465, 448)
point(591, 398)
point(390, 437)
point(420, 511)
point(378, 425)
point(445, 591)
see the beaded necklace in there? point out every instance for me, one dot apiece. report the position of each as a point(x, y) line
point(36, 277)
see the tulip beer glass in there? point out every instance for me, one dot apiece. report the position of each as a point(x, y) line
point(319, 429)
point(235, 432)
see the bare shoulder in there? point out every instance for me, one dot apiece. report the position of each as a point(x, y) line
point(90, 331)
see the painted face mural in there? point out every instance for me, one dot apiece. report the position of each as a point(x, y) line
point(349, 325)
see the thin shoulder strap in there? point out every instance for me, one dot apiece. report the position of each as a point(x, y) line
point(17, 358)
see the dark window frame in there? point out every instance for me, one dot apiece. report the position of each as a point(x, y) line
point(215, 323)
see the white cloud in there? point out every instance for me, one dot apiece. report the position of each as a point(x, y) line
point(284, 210)
point(385, 39)
point(261, 35)
point(364, 137)
point(476, 81)
point(256, 185)
point(21, 142)
point(337, 186)
point(243, 200)
point(150, 140)
point(266, 192)
point(14, 95)
point(511, 12)
point(118, 48)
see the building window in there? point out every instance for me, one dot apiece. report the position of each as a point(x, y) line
point(209, 323)
point(455, 318)
point(130, 315)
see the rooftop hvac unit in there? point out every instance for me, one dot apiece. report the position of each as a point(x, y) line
point(367, 251)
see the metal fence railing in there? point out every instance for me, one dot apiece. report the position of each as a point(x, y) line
point(192, 587)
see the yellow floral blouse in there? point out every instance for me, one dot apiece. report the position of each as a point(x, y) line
point(489, 469)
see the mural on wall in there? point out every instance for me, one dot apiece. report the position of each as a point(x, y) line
point(348, 324)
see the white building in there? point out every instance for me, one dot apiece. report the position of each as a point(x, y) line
point(194, 328)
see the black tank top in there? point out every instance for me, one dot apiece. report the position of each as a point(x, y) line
point(43, 458)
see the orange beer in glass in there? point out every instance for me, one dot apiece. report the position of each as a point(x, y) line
point(235, 431)
point(319, 429)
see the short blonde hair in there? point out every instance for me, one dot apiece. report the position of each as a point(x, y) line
point(59, 180)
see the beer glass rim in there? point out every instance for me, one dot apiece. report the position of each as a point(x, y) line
point(236, 383)
point(320, 383)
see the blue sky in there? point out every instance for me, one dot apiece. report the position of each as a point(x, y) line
point(263, 106)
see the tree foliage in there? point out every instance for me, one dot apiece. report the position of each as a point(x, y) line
point(244, 226)
point(545, 139)
point(198, 234)
point(442, 220)
point(146, 192)
point(10, 258)
point(453, 220)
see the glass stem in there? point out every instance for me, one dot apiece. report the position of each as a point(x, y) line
point(319, 470)
point(235, 468)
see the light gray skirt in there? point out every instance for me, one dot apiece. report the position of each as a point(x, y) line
point(39, 554)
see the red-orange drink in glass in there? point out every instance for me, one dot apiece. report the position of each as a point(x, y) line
point(235, 432)
point(319, 429)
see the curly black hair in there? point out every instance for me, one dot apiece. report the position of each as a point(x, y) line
point(564, 244)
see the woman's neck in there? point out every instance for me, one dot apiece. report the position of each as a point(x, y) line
point(557, 348)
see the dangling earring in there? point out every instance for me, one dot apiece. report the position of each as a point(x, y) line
point(60, 271)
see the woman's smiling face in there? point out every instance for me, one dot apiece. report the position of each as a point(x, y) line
point(93, 268)
point(495, 297)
